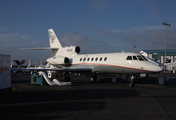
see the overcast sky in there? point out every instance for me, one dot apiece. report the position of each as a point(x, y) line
point(97, 26)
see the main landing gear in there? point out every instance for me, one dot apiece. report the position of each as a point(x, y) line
point(93, 77)
point(131, 80)
point(66, 77)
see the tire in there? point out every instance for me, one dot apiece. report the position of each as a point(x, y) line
point(67, 79)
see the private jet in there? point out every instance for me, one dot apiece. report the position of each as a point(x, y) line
point(68, 59)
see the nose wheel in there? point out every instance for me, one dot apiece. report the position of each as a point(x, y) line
point(131, 81)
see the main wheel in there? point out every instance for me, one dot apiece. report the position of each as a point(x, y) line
point(67, 79)
point(93, 78)
point(131, 84)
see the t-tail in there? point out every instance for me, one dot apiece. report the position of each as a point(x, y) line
point(57, 49)
point(61, 55)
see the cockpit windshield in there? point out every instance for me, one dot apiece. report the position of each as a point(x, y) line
point(141, 58)
point(135, 58)
point(129, 58)
point(144, 57)
point(138, 57)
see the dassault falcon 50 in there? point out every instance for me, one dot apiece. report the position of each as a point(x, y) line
point(68, 59)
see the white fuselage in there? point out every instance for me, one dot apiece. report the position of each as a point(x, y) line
point(68, 59)
point(116, 63)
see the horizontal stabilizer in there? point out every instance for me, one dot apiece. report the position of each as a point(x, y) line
point(44, 48)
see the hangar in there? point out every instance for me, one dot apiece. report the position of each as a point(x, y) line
point(159, 55)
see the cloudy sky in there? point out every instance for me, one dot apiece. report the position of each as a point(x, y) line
point(97, 26)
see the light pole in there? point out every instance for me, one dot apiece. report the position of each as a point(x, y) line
point(166, 24)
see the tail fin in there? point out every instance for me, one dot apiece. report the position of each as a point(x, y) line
point(29, 65)
point(41, 62)
point(54, 43)
point(18, 62)
point(23, 61)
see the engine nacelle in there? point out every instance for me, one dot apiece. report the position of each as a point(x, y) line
point(72, 50)
point(58, 60)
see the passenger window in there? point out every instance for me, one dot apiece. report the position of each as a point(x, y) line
point(101, 59)
point(140, 58)
point(96, 59)
point(80, 59)
point(84, 59)
point(105, 58)
point(135, 58)
point(88, 59)
point(92, 59)
point(129, 58)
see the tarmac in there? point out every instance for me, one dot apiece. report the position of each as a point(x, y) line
point(86, 100)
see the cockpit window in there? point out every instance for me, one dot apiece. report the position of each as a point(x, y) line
point(144, 57)
point(135, 58)
point(138, 57)
point(129, 58)
point(141, 58)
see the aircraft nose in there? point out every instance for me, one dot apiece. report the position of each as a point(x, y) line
point(153, 67)
point(157, 68)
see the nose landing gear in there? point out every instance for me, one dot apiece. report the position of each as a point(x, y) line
point(131, 80)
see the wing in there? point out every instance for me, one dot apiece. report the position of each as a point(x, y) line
point(78, 70)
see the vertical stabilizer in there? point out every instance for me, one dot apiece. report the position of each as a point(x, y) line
point(29, 63)
point(41, 64)
point(55, 45)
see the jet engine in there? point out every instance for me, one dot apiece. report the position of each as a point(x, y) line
point(58, 60)
point(72, 50)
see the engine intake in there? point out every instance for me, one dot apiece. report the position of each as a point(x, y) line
point(66, 60)
point(60, 60)
point(77, 49)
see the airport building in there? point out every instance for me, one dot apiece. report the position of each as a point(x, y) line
point(159, 55)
